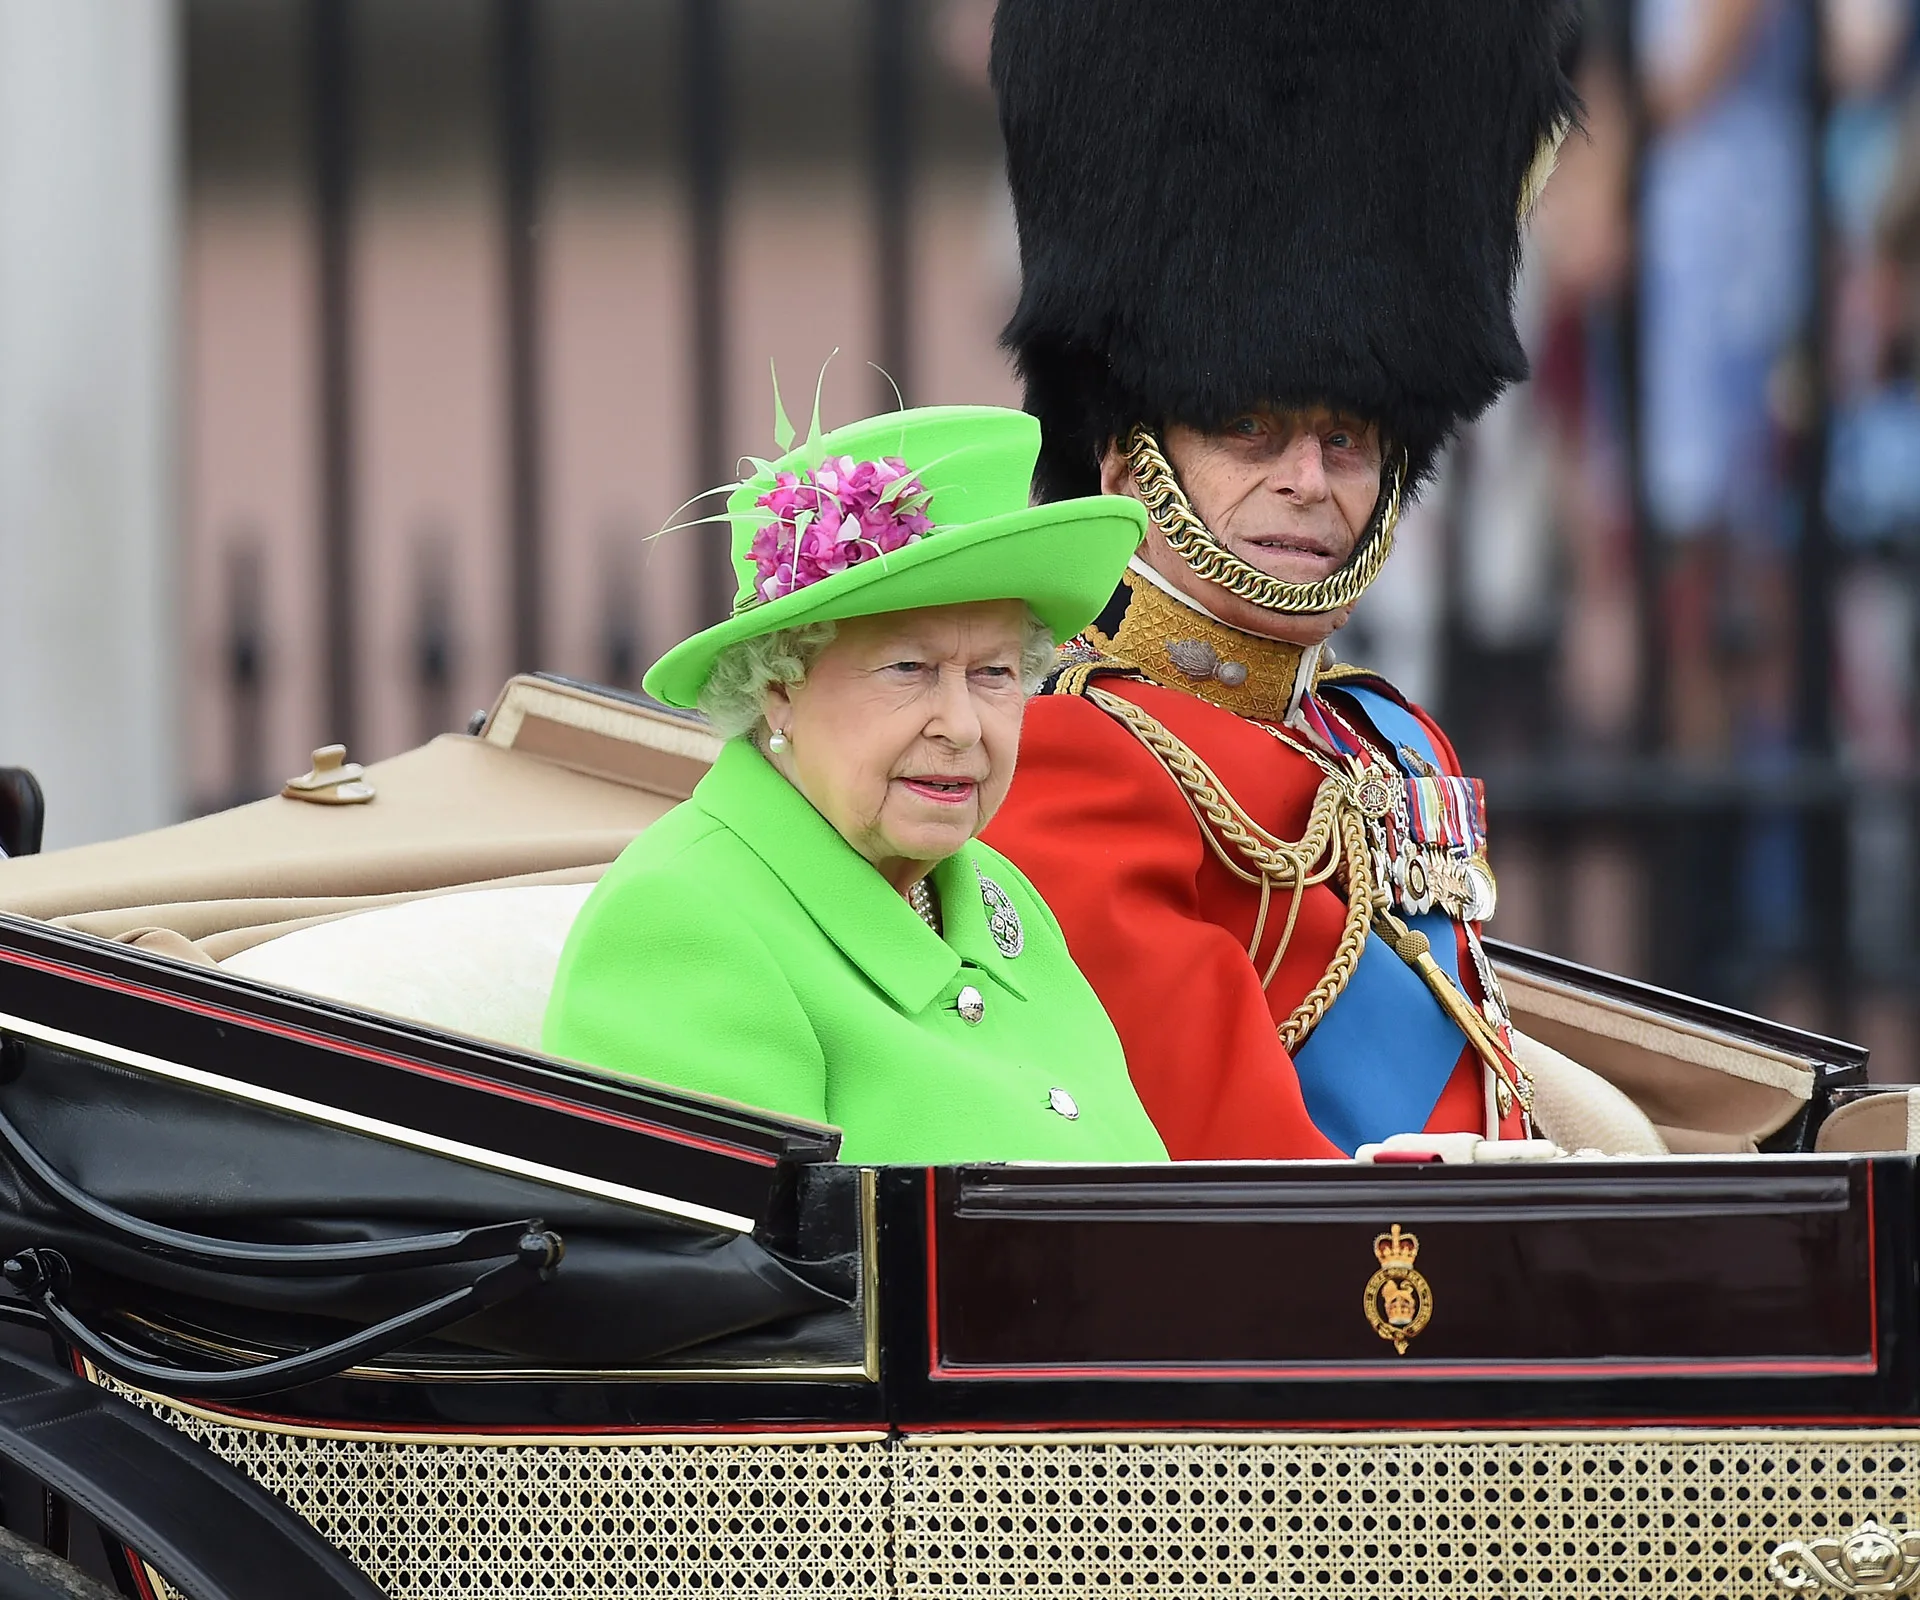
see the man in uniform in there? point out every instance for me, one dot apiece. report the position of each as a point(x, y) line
point(1268, 256)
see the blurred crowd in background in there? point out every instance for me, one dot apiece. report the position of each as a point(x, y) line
point(1676, 571)
point(467, 297)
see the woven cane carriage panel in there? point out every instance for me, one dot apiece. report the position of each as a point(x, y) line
point(1635, 1515)
point(1620, 1514)
point(435, 1518)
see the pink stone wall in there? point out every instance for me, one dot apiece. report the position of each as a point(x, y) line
point(430, 409)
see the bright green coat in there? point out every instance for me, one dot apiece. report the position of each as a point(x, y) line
point(740, 947)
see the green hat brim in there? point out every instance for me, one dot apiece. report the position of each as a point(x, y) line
point(1062, 559)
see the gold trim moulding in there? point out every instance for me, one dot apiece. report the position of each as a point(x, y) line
point(1852, 1438)
point(1889, 1438)
point(870, 1272)
point(579, 1441)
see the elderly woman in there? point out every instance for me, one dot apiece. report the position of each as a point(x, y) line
point(817, 930)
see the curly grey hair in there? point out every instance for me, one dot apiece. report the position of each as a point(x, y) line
point(734, 696)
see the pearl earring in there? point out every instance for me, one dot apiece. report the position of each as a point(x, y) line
point(778, 743)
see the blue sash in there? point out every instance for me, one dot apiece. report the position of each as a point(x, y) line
point(1379, 1059)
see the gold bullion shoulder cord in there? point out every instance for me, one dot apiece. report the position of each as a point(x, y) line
point(1335, 838)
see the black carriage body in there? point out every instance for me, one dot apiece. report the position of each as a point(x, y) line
point(892, 1346)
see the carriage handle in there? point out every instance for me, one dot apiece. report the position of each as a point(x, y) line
point(40, 1275)
point(485, 1243)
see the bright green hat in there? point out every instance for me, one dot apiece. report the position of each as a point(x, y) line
point(984, 542)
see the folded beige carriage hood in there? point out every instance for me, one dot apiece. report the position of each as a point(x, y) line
point(552, 789)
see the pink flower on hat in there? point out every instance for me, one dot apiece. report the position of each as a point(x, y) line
point(834, 516)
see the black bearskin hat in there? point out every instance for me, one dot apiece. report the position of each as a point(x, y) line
point(1229, 203)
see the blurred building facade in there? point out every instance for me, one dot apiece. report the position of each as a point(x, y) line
point(541, 260)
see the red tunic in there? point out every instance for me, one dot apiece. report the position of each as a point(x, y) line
point(1160, 926)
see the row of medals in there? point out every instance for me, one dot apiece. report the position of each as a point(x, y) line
point(1423, 876)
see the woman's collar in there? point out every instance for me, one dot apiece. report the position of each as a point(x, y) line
point(851, 903)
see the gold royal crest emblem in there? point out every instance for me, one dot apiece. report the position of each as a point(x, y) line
point(1398, 1300)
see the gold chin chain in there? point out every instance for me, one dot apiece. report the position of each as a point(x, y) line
point(1173, 514)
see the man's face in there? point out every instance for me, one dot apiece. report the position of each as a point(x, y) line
point(1288, 492)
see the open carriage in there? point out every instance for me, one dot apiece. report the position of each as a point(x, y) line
point(289, 1189)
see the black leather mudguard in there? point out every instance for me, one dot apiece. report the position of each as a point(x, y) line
point(212, 1532)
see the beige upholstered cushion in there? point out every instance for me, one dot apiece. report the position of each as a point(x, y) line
point(1713, 1090)
point(1889, 1121)
point(478, 963)
point(1580, 1110)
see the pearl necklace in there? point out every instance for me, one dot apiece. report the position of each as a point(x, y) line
point(920, 897)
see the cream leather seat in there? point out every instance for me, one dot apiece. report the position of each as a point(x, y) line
point(1875, 1122)
point(480, 962)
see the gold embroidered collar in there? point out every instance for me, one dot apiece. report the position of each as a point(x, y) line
point(1180, 648)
